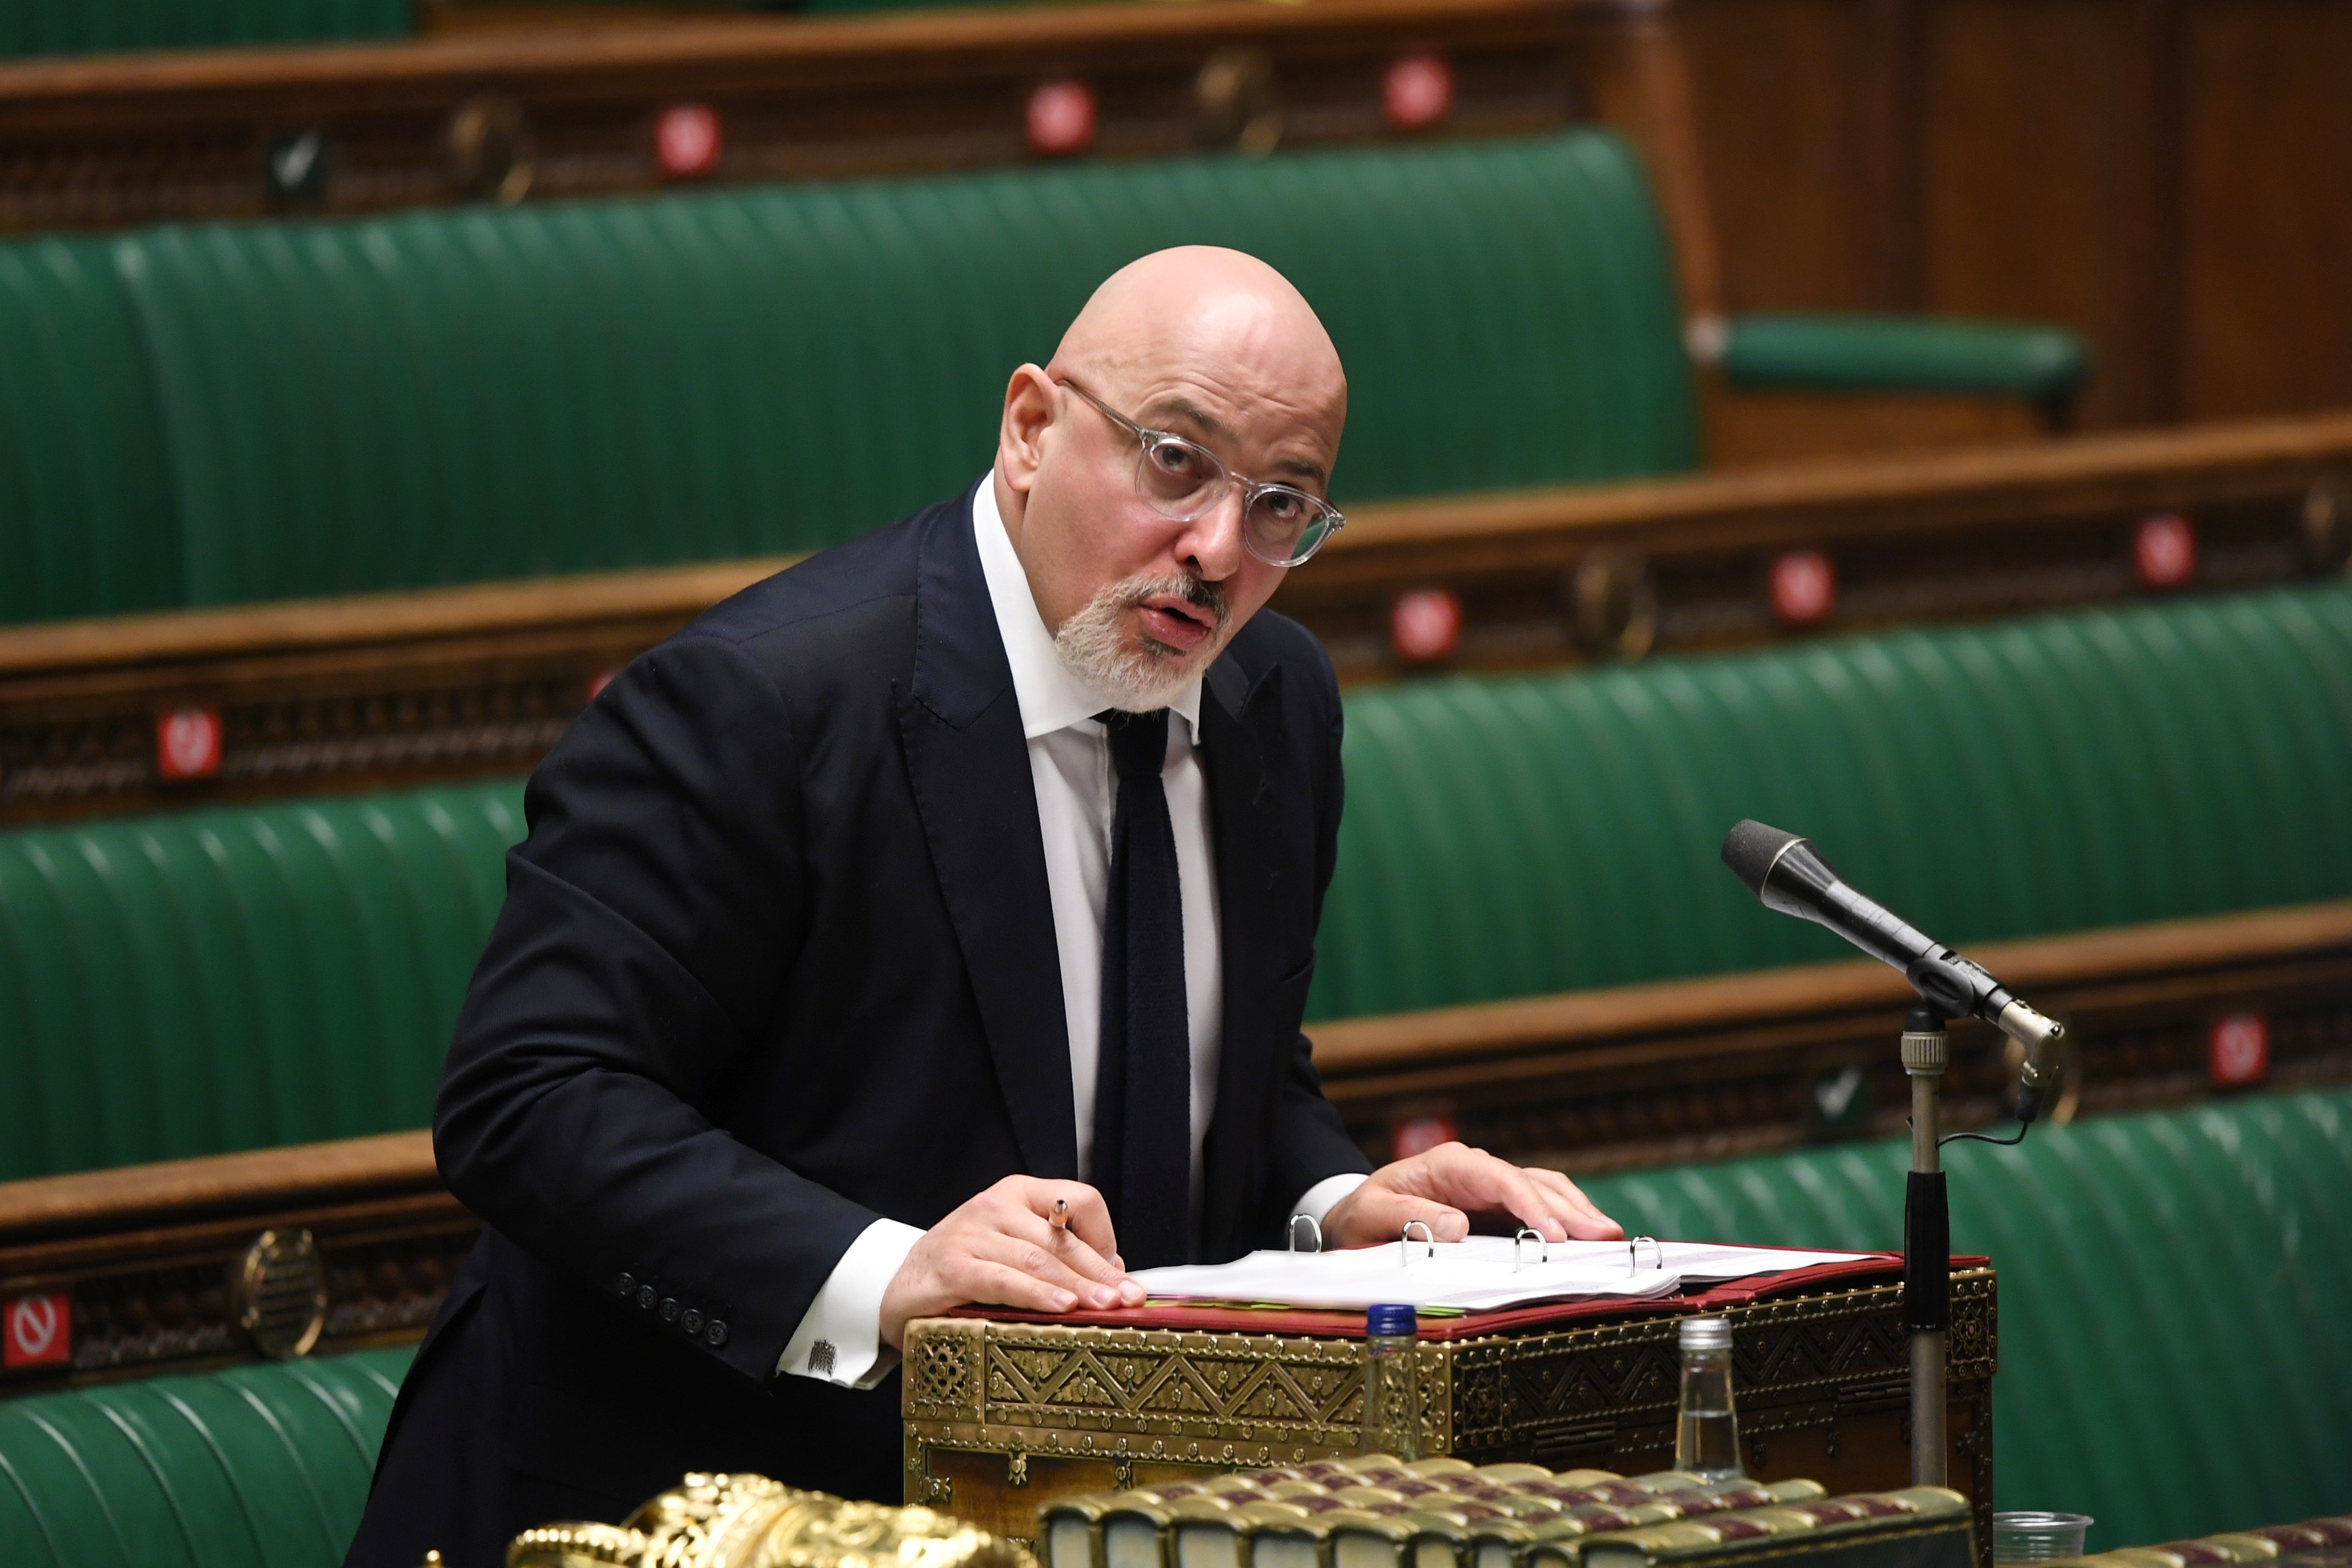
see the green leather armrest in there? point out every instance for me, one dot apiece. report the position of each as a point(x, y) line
point(1903, 354)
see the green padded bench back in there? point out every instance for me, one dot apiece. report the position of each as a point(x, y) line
point(182, 985)
point(235, 979)
point(256, 1467)
point(445, 396)
point(86, 507)
point(1518, 837)
point(2174, 1291)
point(88, 26)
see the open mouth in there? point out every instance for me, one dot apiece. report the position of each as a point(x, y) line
point(1177, 622)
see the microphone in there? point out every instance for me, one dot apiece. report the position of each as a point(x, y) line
point(1791, 875)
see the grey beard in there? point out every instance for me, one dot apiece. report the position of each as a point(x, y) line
point(1137, 679)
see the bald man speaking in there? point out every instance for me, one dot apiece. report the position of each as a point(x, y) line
point(956, 874)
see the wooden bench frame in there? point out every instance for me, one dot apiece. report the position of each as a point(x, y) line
point(401, 689)
point(144, 1258)
point(567, 109)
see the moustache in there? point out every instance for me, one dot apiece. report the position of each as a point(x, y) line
point(1197, 591)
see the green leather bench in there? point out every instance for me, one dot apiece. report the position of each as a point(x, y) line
point(236, 979)
point(2172, 1291)
point(232, 413)
point(92, 26)
point(1525, 837)
point(2173, 1297)
point(233, 978)
point(258, 1466)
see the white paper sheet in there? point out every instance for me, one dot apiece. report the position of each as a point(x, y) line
point(1480, 1274)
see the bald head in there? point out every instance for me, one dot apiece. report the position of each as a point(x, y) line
point(1214, 345)
point(1200, 315)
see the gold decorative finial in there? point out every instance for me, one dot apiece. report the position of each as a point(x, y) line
point(750, 1522)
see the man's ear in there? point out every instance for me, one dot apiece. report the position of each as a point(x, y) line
point(1020, 440)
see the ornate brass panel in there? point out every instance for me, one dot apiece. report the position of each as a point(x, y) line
point(1001, 1417)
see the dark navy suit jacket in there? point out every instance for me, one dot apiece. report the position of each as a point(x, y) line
point(777, 958)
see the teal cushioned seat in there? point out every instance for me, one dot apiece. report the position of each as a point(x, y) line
point(234, 979)
point(1523, 837)
point(87, 26)
point(1861, 352)
point(444, 397)
point(438, 398)
point(86, 507)
point(256, 1466)
point(2173, 1298)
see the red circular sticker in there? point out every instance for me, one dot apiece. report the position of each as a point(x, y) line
point(1417, 91)
point(1804, 587)
point(1422, 1133)
point(38, 1331)
point(188, 743)
point(686, 140)
point(1426, 625)
point(2240, 1050)
point(1062, 116)
point(2164, 550)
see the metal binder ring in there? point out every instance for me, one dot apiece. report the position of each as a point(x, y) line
point(1543, 1254)
point(1313, 1225)
point(1633, 1254)
point(1405, 1238)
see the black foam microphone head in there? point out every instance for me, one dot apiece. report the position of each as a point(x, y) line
point(1749, 849)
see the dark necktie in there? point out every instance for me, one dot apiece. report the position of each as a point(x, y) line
point(1143, 1083)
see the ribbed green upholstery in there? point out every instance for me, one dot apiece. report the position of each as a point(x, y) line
point(1517, 837)
point(2174, 1292)
point(442, 396)
point(235, 979)
point(256, 1466)
point(85, 499)
point(84, 27)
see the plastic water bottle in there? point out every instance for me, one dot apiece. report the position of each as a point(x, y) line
point(1707, 1434)
point(1392, 1382)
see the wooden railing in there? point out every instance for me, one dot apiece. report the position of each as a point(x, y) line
point(567, 109)
point(404, 688)
point(141, 1268)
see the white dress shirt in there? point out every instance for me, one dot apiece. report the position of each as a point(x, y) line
point(1069, 764)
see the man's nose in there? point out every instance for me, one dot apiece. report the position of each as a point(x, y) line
point(1210, 544)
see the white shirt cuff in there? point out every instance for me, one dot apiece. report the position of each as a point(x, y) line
point(840, 1338)
point(1322, 1197)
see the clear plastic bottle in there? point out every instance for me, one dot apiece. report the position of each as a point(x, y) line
point(1392, 1383)
point(1707, 1434)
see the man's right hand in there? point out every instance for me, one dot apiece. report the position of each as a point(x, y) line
point(1003, 1249)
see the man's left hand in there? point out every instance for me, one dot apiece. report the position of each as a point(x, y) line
point(1444, 1187)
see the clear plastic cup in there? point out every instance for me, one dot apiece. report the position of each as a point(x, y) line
point(2033, 1536)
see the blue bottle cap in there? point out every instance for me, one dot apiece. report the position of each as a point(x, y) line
point(1389, 1318)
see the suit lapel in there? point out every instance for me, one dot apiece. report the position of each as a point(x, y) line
point(968, 761)
point(1239, 724)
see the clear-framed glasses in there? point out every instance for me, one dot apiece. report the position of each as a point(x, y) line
point(1282, 525)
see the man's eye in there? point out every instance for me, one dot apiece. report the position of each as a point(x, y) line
point(1282, 507)
point(1174, 459)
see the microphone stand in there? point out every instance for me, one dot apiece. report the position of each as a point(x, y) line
point(1927, 1244)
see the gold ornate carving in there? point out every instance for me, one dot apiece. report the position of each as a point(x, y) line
point(750, 1522)
point(1126, 1397)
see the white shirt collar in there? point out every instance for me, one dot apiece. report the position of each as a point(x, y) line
point(1050, 695)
